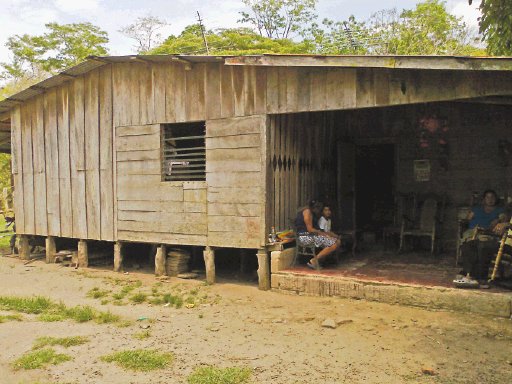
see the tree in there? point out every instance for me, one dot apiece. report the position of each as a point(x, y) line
point(59, 48)
point(144, 32)
point(427, 29)
point(277, 19)
point(496, 25)
point(233, 41)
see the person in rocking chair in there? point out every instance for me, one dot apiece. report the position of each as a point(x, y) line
point(486, 223)
point(308, 233)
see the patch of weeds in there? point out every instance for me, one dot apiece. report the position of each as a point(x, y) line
point(40, 358)
point(156, 300)
point(140, 359)
point(51, 317)
point(194, 292)
point(142, 335)
point(201, 315)
point(106, 318)
point(97, 293)
point(14, 317)
point(104, 302)
point(124, 323)
point(154, 290)
point(215, 375)
point(138, 298)
point(65, 342)
point(119, 302)
point(118, 296)
point(35, 305)
point(174, 300)
point(80, 314)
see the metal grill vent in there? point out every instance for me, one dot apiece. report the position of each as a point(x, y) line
point(183, 152)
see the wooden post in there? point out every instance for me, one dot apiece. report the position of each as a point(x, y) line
point(263, 270)
point(24, 247)
point(51, 249)
point(209, 262)
point(83, 254)
point(160, 261)
point(118, 256)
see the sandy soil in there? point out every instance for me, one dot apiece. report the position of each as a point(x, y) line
point(280, 337)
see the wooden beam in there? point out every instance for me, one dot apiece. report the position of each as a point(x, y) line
point(494, 100)
point(396, 62)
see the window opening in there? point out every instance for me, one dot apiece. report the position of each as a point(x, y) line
point(183, 152)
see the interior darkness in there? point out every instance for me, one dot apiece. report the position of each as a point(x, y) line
point(375, 175)
point(138, 255)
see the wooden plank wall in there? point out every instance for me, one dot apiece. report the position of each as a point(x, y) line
point(301, 89)
point(148, 209)
point(236, 174)
point(301, 164)
point(63, 151)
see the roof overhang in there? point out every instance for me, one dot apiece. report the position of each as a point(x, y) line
point(455, 63)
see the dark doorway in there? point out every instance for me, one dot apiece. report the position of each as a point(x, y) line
point(375, 175)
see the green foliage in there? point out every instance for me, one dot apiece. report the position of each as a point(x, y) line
point(65, 342)
point(214, 375)
point(277, 19)
point(61, 47)
point(49, 311)
point(39, 359)
point(142, 335)
point(138, 298)
point(14, 317)
point(144, 32)
point(140, 359)
point(97, 293)
point(427, 29)
point(496, 25)
point(234, 41)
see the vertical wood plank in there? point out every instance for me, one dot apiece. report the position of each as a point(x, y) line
point(159, 84)
point(260, 90)
point(179, 92)
point(77, 158)
point(238, 90)
point(52, 162)
point(17, 168)
point(92, 144)
point(66, 211)
point(106, 154)
point(213, 91)
point(282, 89)
point(39, 166)
point(249, 88)
point(134, 95)
point(226, 84)
point(272, 89)
point(304, 90)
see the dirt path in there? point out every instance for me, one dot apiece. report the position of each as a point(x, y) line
point(280, 337)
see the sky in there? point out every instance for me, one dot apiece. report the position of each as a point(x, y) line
point(30, 16)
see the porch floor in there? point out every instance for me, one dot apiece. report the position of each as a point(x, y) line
point(377, 265)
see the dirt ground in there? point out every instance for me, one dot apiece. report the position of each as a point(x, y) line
point(280, 337)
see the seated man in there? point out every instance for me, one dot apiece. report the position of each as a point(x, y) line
point(309, 233)
point(486, 222)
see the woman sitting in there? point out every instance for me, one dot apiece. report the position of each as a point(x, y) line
point(308, 233)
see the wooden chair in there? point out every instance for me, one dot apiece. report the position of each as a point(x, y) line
point(503, 258)
point(302, 250)
point(404, 205)
point(429, 217)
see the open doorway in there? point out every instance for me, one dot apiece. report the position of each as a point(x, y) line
point(374, 177)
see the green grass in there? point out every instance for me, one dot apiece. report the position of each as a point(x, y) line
point(14, 317)
point(142, 335)
point(138, 298)
point(140, 359)
point(39, 359)
point(34, 305)
point(49, 311)
point(97, 293)
point(215, 375)
point(175, 300)
point(6, 236)
point(65, 342)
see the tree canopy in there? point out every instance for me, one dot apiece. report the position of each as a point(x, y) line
point(496, 25)
point(59, 48)
point(144, 32)
point(233, 41)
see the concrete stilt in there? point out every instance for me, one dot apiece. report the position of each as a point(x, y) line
point(160, 259)
point(209, 262)
point(83, 254)
point(24, 247)
point(118, 256)
point(263, 270)
point(51, 249)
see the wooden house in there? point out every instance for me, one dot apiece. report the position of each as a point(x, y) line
point(212, 151)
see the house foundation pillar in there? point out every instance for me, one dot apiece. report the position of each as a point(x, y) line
point(263, 270)
point(50, 249)
point(118, 256)
point(83, 254)
point(209, 263)
point(160, 259)
point(24, 247)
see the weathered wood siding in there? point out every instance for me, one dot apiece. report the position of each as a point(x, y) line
point(62, 144)
point(149, 209)
point(236, 174)
point(67, 141)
